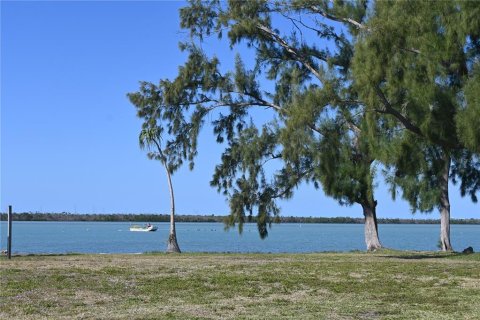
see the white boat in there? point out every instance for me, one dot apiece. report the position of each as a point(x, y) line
point(146, 228)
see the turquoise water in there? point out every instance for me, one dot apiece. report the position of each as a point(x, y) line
point(114, 237)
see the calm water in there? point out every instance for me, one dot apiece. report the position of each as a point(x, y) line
point(114, 237)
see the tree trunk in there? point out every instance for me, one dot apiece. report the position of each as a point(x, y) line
point(445, 244)
point(371, 227)
point(172, 245)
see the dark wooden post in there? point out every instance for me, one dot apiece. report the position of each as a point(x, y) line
point(9, 234)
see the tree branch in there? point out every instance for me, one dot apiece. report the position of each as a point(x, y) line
point(353, 127)
point(315, 129)
point(235, 104)
point(355, 23)
point(291, 50)
point(412, 50)
point(273, 157)
point(298, 177)
point(259, 102)
point(323, 33)
point(390, 110)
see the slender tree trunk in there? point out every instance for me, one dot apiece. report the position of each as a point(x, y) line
point(371, 227)
point(445, 244)
point(172, 245)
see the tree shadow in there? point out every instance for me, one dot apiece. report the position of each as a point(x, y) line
point(422, 256)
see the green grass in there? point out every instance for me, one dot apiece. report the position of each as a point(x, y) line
point(383, 285)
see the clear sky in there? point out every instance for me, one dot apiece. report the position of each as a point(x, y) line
point(69, 136)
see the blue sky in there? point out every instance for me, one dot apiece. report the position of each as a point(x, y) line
point(69, 134)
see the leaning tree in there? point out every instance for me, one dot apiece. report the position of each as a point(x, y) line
point(417, 64)
point(156, 137)
point(316, 131)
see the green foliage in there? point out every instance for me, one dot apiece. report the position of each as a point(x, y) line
point(249, 189)
point(466, 168)
point(417, 65)
point(345, 86)
point(347, 172)
point(312, 99)
point(417, 170)
point(468, 117)
point(159, 124)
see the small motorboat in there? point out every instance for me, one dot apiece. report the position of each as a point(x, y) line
point(146, 228)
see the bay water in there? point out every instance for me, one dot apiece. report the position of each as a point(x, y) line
point(34, 237)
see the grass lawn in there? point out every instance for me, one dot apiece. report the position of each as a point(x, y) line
point(382, 285)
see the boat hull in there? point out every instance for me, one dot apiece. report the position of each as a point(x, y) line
point(143, 229)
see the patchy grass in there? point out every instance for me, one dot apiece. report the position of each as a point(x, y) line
point(382, 285)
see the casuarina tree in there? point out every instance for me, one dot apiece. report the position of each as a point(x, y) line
point(417, 64)
point(312, 128)
point(153, 136)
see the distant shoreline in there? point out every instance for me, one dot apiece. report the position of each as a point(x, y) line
point(65, 216)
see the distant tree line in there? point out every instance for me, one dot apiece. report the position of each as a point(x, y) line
point(151, 217)
point(116, 217)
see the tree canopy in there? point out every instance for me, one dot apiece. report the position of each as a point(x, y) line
point(417, 65)
point(347, 85)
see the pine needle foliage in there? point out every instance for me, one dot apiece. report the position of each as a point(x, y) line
point(316, 132)
point(345, 85)
point(418, 64)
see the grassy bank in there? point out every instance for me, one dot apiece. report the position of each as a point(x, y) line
point(385, 285)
